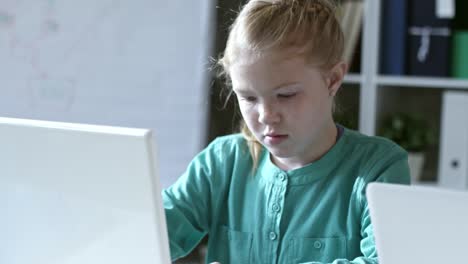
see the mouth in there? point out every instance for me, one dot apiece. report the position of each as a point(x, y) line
point(274, 139)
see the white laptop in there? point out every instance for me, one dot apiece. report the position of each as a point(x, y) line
point(79, 194)
point(415, 224)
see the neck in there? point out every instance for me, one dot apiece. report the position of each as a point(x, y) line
point(323, 144)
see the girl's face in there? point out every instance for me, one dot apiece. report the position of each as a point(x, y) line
point(287, 105)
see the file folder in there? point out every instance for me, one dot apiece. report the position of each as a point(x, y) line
point(453, 160)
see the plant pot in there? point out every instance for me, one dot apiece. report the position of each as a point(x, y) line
point(416, 163)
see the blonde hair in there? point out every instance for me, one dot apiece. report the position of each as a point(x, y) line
point(309, 26)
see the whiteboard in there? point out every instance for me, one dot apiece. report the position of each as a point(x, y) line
point(140, 63)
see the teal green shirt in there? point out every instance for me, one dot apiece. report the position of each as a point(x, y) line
point(314, 214)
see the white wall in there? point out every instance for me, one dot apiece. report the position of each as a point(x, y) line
point(140, 63)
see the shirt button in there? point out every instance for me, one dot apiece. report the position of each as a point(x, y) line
point(281, 177)
point(276, 208)
point(317, 244)
point(272, 235)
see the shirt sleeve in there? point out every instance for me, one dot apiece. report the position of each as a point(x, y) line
point(187, 204)
point(393, 169)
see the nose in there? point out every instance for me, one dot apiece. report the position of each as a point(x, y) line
point(268, 114)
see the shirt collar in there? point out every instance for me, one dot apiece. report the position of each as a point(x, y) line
point(312, 172)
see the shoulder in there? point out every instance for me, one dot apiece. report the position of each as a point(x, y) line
point(374, 159)
point(372, 144)
point(228, 144)
point(372, 149)
point(213, 166)
point(227, 151)
point(378, 158)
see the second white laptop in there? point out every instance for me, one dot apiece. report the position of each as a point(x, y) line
point(418, 224)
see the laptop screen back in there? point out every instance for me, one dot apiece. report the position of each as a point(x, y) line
point(73, 193)
point(414, 224)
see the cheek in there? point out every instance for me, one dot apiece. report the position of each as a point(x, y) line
point(306, 110)
point(299, 107)
point(249, 114)
point(246, 110)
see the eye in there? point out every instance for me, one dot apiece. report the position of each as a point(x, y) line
point(286, 95)
point(250, 99)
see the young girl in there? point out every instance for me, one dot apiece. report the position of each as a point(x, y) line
point(291, 187)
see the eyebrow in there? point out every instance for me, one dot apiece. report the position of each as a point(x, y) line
point(281, 86)
point(286, 85)
point(241, 91)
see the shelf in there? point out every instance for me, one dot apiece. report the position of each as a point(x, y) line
point(423, 82)
point(352, 78)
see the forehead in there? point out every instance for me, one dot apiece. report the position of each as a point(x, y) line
point(245, 56)
point(270, 69)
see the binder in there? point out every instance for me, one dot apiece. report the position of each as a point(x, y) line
point(453, 159)
point(393, 38)
point(461, 11)
point(460, 54)
point(429, 40)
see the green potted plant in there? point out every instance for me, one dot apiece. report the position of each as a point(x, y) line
point(414, 134)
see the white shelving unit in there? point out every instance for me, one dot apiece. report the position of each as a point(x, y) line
point(371, 81)
point(419, 82)
point(373, 86)
point(353, 79)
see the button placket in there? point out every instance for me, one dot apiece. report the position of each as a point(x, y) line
point(275, 205)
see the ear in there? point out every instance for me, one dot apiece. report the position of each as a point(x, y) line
point(336, 76)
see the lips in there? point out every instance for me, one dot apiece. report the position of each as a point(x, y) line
point(274, 139)
point(274, 135)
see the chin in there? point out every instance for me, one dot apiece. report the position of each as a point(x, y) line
point(279, 153)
